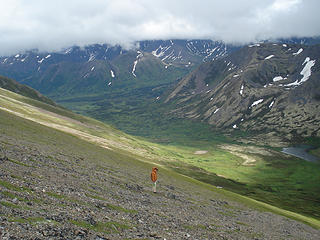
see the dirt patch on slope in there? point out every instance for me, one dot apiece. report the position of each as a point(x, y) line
point(200, 152)
point(247, 153)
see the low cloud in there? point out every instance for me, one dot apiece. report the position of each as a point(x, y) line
point(54, 25)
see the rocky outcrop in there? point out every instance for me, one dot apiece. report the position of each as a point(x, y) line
point(260, 88)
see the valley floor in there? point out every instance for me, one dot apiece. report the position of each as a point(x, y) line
point(57, 186)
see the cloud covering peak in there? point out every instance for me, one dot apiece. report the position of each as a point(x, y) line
point(53, 25)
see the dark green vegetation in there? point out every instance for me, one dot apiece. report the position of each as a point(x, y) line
point(24, 90)
point(315, 143)
point(140, 114)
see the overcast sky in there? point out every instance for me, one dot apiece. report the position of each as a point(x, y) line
point(56, 24)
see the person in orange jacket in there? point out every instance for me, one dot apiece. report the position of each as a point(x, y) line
point(154, 178)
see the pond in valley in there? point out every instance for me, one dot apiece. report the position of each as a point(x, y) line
point(301, 151)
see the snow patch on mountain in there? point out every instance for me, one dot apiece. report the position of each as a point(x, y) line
point(256, 103)
point(69, 50)
point(271, 104)
point(134, 68)
point(306, 60)
point(241, 90)
point(86, 75)
point(254, 45)
point(91, 57)
point(269, 57)
point(298, 52)
point(209, 52)
point(112, 74)
point(160, 51)
point(191, 47)
point(306, 73)
point(171, 54)
point(140, 54)
point(277, 78)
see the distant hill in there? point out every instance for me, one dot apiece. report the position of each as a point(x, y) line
point(97, 68)
point(23, 90)
point(273, 88)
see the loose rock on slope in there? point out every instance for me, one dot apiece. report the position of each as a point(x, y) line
point(70, 189)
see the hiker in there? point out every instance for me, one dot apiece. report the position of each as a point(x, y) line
point(154, 178)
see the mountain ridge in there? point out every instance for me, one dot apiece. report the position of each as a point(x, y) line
point(30, 63)
point(267, 80)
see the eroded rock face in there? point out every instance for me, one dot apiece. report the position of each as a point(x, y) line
point(265, 88)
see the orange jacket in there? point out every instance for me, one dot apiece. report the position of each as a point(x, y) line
point(154, 176)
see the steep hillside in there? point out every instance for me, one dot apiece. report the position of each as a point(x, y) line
point(23, 90)
point(271, 88)
point(66, 176)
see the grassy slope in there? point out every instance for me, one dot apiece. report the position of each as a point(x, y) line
point(122, 146)
point(24, 90)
